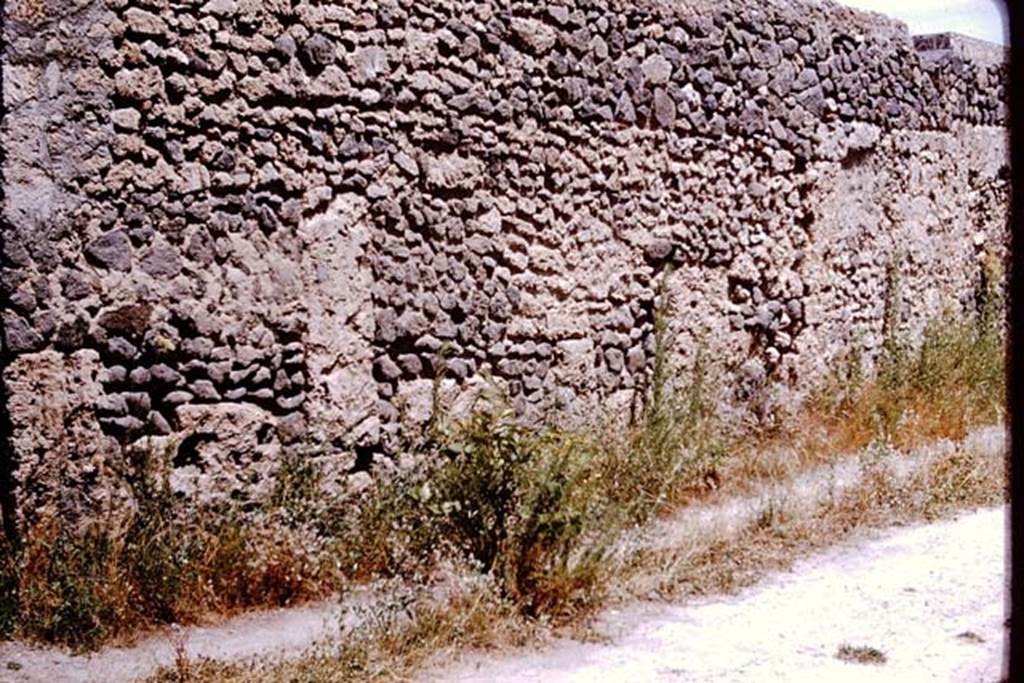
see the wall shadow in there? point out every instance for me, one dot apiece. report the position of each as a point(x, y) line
point(7, 464)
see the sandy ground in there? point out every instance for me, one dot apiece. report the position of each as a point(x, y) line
point(975, 575)
point(930, 597)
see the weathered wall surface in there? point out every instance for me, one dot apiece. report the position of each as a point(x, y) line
point(237, 225)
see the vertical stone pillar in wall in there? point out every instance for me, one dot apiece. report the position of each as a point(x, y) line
point(336, 294)
point(52, 142)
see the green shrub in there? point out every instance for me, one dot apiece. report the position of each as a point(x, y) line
point(524, 503)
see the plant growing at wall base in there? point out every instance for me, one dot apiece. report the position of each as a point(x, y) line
point(161, 562)
point(677, 439)
point(521, 502)
point(941, 385)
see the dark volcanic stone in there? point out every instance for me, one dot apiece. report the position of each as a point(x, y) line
point(158, 424)
point(318, 51)
point(112, 250)
point(20, 336)
point(75, 284)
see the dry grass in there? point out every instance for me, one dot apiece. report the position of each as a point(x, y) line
point(426, 629)
point(398, 638)
point(105, 583)
point(163, 562)
point(951, 383)
point(784, 531)
point(537, 510)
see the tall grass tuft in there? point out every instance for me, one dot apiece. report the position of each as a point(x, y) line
point(949, 381)
point(678, 438)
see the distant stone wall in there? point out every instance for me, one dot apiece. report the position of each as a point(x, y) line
point(234, 227)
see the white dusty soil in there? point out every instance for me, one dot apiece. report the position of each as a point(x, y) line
point(913, 593)
point(789, 627)
point(281, 632)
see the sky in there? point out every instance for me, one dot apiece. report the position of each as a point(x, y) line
point(976, 18)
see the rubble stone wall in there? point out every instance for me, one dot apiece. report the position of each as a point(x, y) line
point(232, 227)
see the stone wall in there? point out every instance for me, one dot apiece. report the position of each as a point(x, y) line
point(234, 227)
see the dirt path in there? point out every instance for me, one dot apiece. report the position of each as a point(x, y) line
point(265, 633)
point(931, 598)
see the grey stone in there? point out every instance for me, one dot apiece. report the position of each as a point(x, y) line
point(664, 108)
point(807, 79)
point(75, 284)
point(19, 335)
point(126, 119)
point(112, 250)
point(165, 374)
point(144, 23)
point(285, 47)
point(656, 69)
point(204, 390)
point(218, 372)
point(115, 374)
point(158, 424)
point(220, 8)
point(261, 376)
point(813, 100)
point(178, 397)
point(290, 402)
point(242, 374)
point(236, 394)
point(200, 347)
point(407, 164)
point(122, 425)
point(138, 403)
point(459, 368)
point(369, 64)
point(282, 383)
point(139, 84)
point(658, 250)
point(139, 376)
point(614, 359)
point(318, 51)
point(636, 360)
point(121, 349)
point(291, 428)
point(536, 35)
point(624, 110)
point(24, 300)
point(386, 329)
point(410, 364)
point(782, 79)
point(428, 343)
point(559, 14)
point(162, 262)
point(112, 404)
point(412, 324)
point(386, 369)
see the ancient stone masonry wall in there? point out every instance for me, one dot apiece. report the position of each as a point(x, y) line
point(235, 226)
